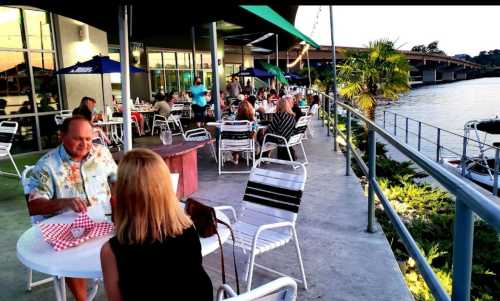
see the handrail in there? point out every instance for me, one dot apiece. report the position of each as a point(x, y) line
point(468, 200)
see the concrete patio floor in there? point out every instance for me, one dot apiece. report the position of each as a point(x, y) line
point(342, 261)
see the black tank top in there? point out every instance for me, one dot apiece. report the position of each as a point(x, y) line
point(170, 270)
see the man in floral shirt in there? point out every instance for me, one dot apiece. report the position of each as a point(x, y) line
point(72, 177)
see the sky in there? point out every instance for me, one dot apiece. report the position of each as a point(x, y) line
point(459, 29)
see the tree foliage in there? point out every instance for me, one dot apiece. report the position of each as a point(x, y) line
point(431, 48)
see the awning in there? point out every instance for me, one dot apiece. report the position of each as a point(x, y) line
point(268, 14)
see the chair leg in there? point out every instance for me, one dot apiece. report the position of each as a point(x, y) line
point(15, 166)
point(250, 270)
point(304, 152)
point(220, 161)
point(213, 152)
point(299, 257)
point(153, 129)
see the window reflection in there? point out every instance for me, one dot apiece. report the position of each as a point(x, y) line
point(15, 85)
point(154, 60)
point(48, 131)
point(25, 139)
point(46, 91)
point(169, 60)
point(38, 25)
point(184, 60)
point(207, 61)
point(10, 28)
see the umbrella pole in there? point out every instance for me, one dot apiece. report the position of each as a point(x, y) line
point(103, 99)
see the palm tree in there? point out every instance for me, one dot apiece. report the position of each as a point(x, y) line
point(379, 73)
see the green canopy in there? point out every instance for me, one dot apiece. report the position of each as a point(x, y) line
point(268, 14)
point(276, 71)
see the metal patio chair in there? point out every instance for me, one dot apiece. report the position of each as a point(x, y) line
point(272, 141)
point(281, 289)
point(200, 134)
point(269, 211)
point(8, 130)
point(236, 136)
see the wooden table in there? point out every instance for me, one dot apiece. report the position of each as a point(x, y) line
point(181, 158)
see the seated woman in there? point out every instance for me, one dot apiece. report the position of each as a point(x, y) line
point(282, 124)
point(156, 250)
point(245, 112)
point(314, 106)
point(136, 116)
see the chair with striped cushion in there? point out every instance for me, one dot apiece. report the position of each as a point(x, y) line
point(236, 136)
point(272, 141)
point(269, 211)
point(8, 130)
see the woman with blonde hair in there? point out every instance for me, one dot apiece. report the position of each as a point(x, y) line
point(282, 124)
point(156, 250)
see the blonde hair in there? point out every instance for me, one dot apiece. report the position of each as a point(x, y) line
point(284, 106)
point(148, 209)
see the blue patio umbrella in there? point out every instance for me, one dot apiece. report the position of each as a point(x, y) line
point(99, 64)
point(253, 72)
point(293, 77)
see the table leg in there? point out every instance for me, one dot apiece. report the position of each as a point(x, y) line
point(60, 288)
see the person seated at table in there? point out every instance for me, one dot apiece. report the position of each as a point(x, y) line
point(199, 102)
point(245, 112)
point(156, 250)
point(87, 109)
point(71, 177)
point(313, 110)
point(301, 100)
point(295, 106)
point(282, 124)
point(97, 131)
point(260, 94)
point(162, 107)
point(184, 97)
point(137, 116)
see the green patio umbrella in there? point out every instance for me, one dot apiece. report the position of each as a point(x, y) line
point(276, 71)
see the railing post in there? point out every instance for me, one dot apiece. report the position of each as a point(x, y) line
point(372, 154)
point(395, 122)
point(328, 114)
point(320, 105)
point(384, 119)
point(406, 131)
point(419, 134)
point(438, 144)
point(463, 240)
point(348, 145)
point(335, 123)
point(464, 156)
point(497, 167)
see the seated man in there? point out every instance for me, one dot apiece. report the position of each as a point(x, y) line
point(71, 177)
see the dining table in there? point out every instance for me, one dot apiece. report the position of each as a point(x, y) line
point(83, 261)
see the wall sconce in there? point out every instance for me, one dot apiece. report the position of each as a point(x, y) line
point(83, 32)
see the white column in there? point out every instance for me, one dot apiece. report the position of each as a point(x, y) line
point(215, 70)
point(125, 77)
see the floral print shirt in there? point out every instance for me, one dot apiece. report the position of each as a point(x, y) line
point(56, 175)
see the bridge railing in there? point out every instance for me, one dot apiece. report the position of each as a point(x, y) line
point(468, 200)
point(407, 127)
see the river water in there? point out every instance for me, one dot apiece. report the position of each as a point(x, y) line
point(448, 106)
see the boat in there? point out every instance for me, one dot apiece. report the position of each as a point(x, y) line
point(480, 168)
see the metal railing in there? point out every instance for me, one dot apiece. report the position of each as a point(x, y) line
point(440, 146)
point(468, 201)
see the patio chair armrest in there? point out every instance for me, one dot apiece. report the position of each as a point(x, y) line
point(273, 135)
point(269, 227)
point(225, 289)
point(158, 116)
point(229, 208)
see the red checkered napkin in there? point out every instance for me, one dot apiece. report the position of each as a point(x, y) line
point(62, 236)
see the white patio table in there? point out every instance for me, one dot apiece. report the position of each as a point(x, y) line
point(82, 261)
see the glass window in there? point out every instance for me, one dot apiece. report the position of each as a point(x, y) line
point(171, 81)
point(169, 60)
point(15, 84)
point(198, 60)
point(154, 60)
point(48, 131)
point(207, 79)
point(11, 28)
point(115, 56)
point(46, 91)
point(157, 81)
point(184, 60)
point(38, 25)
point(207, 61)
point(186, 79)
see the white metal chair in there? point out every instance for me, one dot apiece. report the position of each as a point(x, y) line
point(159, 121)
point(269, 212)
point(8, 130)
point(272, 141)
point(236, 136)
point(34, 219)
point(200, 134)
point(175, 117)
point(281, 289)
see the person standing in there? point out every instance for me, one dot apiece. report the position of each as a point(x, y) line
point(234, 87)
point(199, 101)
